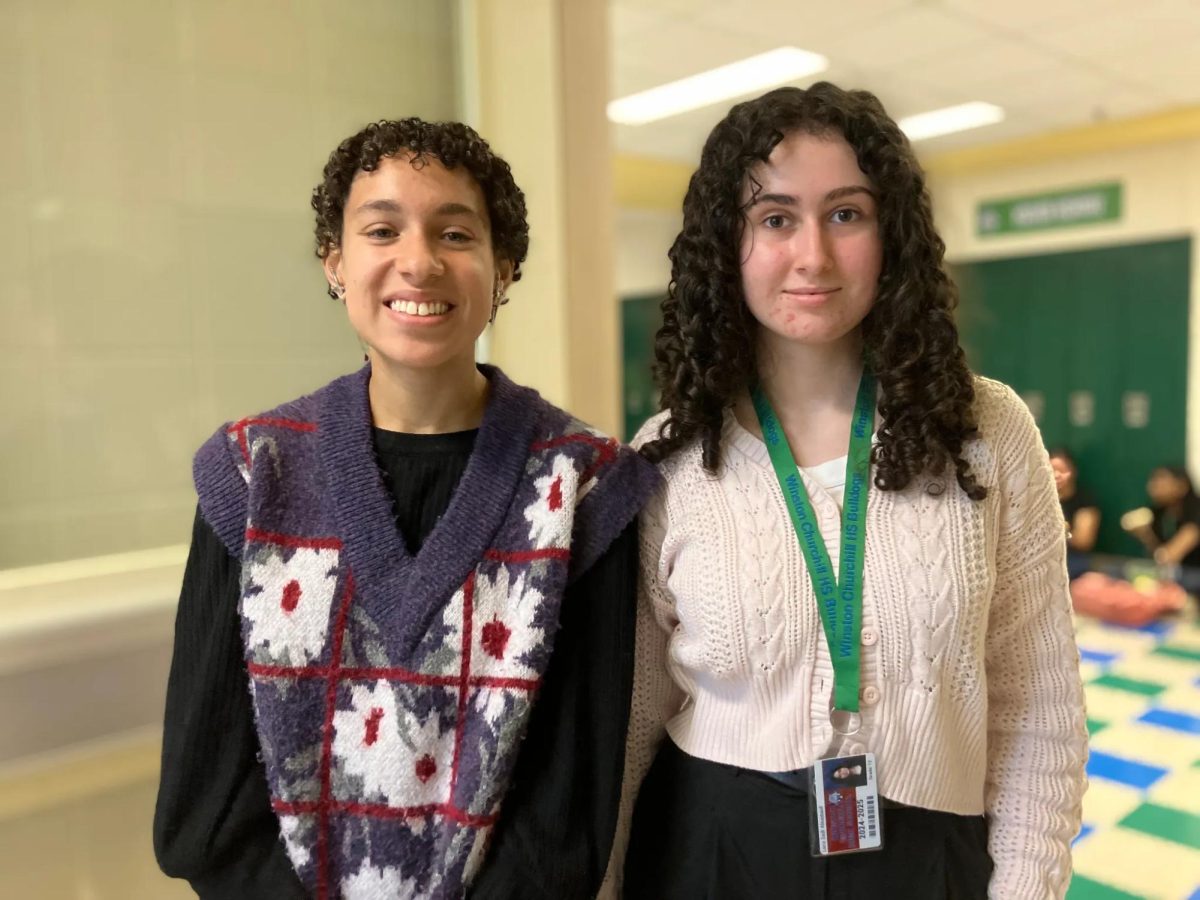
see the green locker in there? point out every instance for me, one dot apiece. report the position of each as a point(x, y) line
point(641, 317)
point(1100, 336)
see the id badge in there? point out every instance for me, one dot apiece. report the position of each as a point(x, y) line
point(844, 806)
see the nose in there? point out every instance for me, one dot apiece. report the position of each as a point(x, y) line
point(417, 259)
point(810, 248)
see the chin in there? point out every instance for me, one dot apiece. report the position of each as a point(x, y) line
point(811, 337)
point(420, 359)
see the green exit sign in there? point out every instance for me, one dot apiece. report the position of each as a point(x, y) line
point(1060, 209)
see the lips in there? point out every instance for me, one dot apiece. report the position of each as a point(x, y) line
point(809, 297)
point(811, 291)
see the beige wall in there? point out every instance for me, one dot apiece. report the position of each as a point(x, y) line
point(643, 238)
point(541, 76)
point(155, 237)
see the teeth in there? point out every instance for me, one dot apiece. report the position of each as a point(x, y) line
point(413, 308)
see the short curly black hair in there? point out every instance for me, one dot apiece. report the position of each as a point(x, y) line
point(453, 144)
point(706, 351)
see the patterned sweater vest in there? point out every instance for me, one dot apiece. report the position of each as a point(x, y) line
point(391, 691)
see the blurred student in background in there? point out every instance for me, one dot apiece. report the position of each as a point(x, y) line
point(1080, 512)
point(1170, 528)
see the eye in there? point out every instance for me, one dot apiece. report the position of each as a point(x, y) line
point(778, 220)
point(846, 215)
point(457, 237)
point(381, 232)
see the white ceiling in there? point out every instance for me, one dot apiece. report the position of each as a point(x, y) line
point(1051, 64)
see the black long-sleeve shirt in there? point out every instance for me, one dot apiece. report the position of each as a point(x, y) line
point(214, 824)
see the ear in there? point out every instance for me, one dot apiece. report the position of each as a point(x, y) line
point(504, 271)
point(333, 269)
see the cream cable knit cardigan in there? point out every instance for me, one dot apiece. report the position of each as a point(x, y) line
point(971, 696)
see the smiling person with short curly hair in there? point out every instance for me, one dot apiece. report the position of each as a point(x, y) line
point(423, 572)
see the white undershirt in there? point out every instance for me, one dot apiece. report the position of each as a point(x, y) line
point(831, 476)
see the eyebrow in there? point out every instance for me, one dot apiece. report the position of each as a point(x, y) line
point(457, 209)
point(836, 194)
point(849, 191)
point(391, 206)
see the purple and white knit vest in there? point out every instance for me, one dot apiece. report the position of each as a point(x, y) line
point(392, 691)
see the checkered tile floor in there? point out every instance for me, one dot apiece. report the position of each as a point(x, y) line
point(1141, 814)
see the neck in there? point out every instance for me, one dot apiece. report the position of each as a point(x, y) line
point(812, 390)
point(426, 401)
point(806, 379)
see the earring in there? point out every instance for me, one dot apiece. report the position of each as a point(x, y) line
point(336, 291)
point(498, 300)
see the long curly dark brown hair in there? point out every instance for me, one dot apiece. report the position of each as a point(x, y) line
point(453, 144)
point(706, 349)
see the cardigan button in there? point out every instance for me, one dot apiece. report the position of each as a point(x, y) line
point(870, 637)
point(869, 695)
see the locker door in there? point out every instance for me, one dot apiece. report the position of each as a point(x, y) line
point(1101, 336)
point(641, 317)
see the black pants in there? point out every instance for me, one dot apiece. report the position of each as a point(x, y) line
point(707, 831)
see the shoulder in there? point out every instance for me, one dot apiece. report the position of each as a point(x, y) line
point(997, 404)
point(651, 429)
point(1008, 434)
point(686, 458)
point(597, 456)
point(305, 409)
point(297, 415)
point(687, 491)
point(221, 468)
point(1002, 417)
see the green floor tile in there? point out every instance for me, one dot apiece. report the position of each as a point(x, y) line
point(1086, 889)
point(1095, 726)
point(1146, 688)
point(1177, 652)
point(1166, 823)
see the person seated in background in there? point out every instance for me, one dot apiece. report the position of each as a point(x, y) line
point(1170, 528)
point(1080, 511)
point(1170, 532)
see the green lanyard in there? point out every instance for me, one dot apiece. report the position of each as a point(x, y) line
point(840, 601)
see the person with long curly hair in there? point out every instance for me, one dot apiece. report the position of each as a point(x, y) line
point(857, 548)
point(404, 644)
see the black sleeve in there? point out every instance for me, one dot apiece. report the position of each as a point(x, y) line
point(1084, 500)
point(556, 824)
point(213, 823)
point(1191, 510)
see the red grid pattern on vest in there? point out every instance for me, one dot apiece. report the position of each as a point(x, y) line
point(335, 674)
point(238, 430)
point(606, 451)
